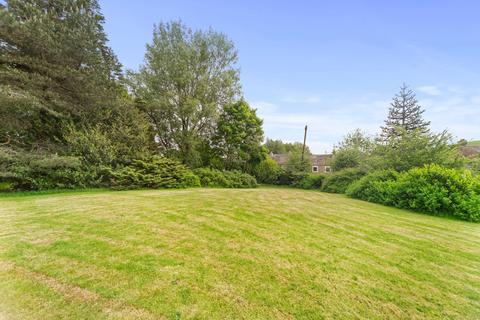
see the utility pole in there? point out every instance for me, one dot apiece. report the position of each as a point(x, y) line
point(304, 140)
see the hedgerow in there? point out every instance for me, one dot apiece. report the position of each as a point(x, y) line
point(210, 177)
point(155, 172)
point(431, 189)
point(338, 182)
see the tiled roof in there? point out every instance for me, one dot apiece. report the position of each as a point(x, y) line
point(316, 159)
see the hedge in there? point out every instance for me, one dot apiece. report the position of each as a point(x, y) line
point(225, 179)
point(431, 189)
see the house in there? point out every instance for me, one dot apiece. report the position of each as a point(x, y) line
point(318, 162)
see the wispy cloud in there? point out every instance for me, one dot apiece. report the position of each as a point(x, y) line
point(329, 120)
point(430, 90)
point(302, 100)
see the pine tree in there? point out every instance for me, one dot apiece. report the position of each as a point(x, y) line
point(405, 114)
point(55, 66)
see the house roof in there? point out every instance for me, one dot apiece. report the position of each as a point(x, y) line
point(281, 159)
point(320, 159)
point(470, 151)
point(315, 159)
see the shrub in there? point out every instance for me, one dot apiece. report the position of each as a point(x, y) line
point(38, 171)
point(378, 187)
point(431, 189)
point(268, 171)
point(289, 178)
point(338, 182)
point(238, 179)
point(154, 172)
point(224, 179)
point(437, 190)
point(311, 181)
point(211, 177)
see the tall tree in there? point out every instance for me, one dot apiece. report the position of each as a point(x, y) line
point(404, 113)
point(55, 65)
point(415, 149)
point(239, 136)
point(353, 151)
point(187, 78)
point(280, 147)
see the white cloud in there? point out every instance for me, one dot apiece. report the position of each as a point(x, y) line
point(430, 90)
point(264, 107)
point(302, 100)
point(330, 120)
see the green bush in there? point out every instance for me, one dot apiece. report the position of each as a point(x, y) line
point(437, 190)
point(311, 181)
point(268, 171)
point(224, 179)
point(210, 177)
point(338, 182)
point(378, 187)
point(289, 178)
point(38, 171)
point(238, 179)
point(155, 172)
point(431, 189)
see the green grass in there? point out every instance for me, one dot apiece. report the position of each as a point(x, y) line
point(267, 253)
point(473, 143)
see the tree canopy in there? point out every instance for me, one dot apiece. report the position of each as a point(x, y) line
point(187, 78)
point(55, 67)
point(404, 114)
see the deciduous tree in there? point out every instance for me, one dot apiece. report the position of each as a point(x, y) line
point(187, 78)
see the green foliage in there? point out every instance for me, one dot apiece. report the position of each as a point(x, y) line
point(416, 149)
point(224, 179)
point(239, 135)
point(280, 147)
point(431, 189)
point(289, 178)
point(268, 171)
point(36, 171)
point(474, 164)
point(338, 182)
point(55, 66)
point(377, 186)
point(353, 151)
point(437, 190)
point(188, 76)
point(296, 164)
point(346, 158)
point(405, 114)
point(155, 172)
point(126, 136)
point(311, 181)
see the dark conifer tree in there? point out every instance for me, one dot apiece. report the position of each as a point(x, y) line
point(405, 115)
point(55, 66)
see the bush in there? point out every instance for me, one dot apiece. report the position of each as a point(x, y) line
point(155, 172)
point(224, 179)
point(437, 190)
point(432, 189)
point(268, 171)
point(378, 187)
point(311, 181)
point(238, 179)
point(37, 171)
point(289, 178)
point(338, 182)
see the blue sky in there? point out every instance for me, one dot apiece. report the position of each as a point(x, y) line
point(333, 65)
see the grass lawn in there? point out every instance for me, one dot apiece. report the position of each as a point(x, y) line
point(267, 253)
point(474, 143)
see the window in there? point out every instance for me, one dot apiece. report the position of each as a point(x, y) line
point(327, 169)
point(314, 168)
